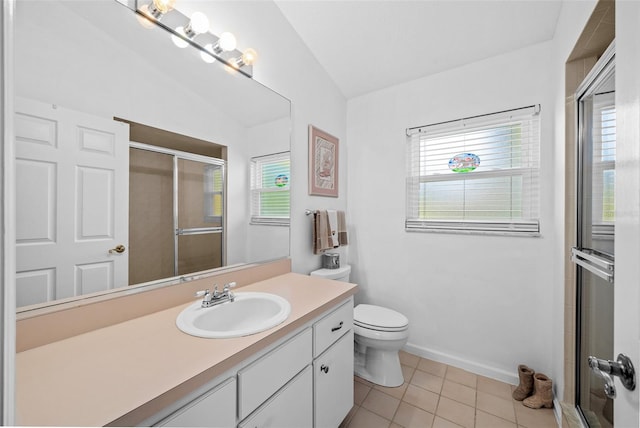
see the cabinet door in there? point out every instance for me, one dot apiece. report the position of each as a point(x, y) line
point(262, 378)
point(216, 408)
point(291, 407)
point(333, 380)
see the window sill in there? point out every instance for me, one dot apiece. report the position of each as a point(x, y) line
point(524, 229)
point(265, 221)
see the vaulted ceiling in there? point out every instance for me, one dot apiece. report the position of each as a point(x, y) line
point(367, 45)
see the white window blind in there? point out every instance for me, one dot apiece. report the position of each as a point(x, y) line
point(477, 174)
point(604, 165)
point(213, 193)
point(270, 190)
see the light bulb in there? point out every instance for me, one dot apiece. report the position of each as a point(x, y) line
point(164, 6)
point(205, 56)
point(227, 41)
point(157, 8)
point(198, 24)
point(250, 56)
point(181, 43)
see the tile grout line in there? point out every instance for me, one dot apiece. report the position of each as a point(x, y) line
point(487, 389)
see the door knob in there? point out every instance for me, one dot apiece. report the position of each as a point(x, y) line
point(622, 368)
point(118, 249)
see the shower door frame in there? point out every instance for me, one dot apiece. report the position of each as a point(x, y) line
point(176, 155)
point(600, 72)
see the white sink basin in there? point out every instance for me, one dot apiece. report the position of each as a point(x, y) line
point(250, 313)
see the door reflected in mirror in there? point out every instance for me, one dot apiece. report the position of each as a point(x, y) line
point(88, 79)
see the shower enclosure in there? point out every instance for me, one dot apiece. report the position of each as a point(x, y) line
point(594, 254)
point(176, 210)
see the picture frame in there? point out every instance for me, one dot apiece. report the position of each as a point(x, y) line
point(323, 163)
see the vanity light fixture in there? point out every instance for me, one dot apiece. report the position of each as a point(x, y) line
point(194, 31)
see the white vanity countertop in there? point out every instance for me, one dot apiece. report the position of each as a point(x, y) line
point(125, 373)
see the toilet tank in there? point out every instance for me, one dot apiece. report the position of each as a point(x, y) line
point(339, 274)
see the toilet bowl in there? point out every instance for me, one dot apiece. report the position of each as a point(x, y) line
point(379, 334)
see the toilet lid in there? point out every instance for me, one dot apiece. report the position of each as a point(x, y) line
point(379, 318)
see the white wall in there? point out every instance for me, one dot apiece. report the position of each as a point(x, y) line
point(479, 302)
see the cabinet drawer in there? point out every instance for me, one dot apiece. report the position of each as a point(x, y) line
point(290, 407)
point(261, 379)
point(214, 408)
point(332, 327)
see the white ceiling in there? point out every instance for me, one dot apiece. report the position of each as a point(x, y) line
point(366, 45)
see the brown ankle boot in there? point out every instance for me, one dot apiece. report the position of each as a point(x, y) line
point(542, 393)
point(526, 383)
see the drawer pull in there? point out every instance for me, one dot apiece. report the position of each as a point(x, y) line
point(338, 327)
point(324, 368)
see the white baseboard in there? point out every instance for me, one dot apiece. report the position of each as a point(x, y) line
point(469, 365)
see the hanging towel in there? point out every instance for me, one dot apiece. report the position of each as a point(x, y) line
point(333, 227)
point(321, 234)
point(342, 229)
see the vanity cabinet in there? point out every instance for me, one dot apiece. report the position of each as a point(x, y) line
point(214, 408)
point(305, 380)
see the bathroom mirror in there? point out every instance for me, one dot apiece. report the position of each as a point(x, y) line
point(96, 61)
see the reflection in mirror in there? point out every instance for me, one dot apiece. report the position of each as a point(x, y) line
point(114, 124)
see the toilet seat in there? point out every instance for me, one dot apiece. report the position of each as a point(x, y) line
point(377, 318)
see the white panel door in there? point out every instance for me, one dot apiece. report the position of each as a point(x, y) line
point(627, 234)
point(72, 191)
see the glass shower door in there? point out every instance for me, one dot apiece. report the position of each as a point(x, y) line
point(199, 220)
point(594, 254)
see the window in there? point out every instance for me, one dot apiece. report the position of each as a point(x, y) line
point(213, 193)
point(477, 174)
point(270, 194)
point(604, 165)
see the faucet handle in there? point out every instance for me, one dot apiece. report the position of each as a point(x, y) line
point(229, 286)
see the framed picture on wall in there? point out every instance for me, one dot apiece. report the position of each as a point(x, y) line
point(323, 163)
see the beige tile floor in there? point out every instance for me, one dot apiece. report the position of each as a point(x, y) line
point(436, 395)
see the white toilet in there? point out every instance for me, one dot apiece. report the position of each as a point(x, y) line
point(379, 334)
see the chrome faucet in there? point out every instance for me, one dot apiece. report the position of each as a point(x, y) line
point(211, 299)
